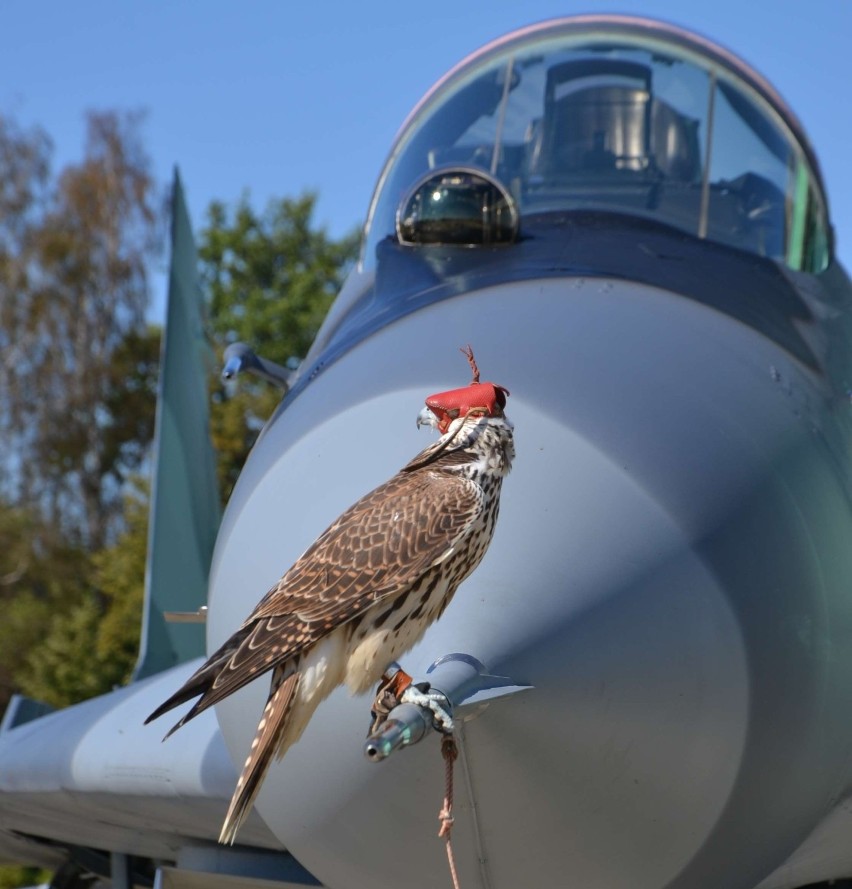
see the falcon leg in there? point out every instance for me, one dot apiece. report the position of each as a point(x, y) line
point(389, 693)
point(396, 679)
point(396, 688)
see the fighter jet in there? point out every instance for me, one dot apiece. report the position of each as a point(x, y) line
point(650, 673)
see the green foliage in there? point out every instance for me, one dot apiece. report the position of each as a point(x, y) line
point(271, 279)
point(119, 577)
point(71, 618)
point(40, 576)
point(55, 672)
point(271, 276)
point(12, 876)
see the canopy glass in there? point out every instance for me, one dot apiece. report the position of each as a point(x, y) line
point(636, 120)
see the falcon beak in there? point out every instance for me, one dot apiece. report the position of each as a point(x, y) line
point(427, 418)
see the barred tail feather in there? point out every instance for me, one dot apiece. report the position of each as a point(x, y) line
point(201, 681)
point(196, 685)
point(263, 750)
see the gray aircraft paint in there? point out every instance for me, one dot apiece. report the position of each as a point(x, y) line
point(669, 574)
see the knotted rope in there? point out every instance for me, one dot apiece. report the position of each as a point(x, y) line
point(450, 753)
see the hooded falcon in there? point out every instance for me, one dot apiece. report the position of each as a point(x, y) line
point(366, 591)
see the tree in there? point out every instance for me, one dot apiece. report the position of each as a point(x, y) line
point(42, 577)
point(24, 176)
point(271, 278)
point(89, 641)
point(78, 368)
point(74, 295)
point(119, 577)
point(71, 618)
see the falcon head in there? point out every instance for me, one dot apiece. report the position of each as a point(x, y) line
point(477, 399)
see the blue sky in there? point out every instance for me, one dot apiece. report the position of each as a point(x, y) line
point(278, 97)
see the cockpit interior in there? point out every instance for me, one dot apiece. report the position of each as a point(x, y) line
point(646, 125)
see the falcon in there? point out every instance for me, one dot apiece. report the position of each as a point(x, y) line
point(366, 591)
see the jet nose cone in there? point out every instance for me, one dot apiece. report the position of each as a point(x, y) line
point(669, 571)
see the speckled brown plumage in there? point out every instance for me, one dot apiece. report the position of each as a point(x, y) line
point(362, 594)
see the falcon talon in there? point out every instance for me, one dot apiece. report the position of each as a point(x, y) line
point(408, 720)
point(393, 683)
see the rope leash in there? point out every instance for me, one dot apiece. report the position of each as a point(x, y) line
point(450, 752)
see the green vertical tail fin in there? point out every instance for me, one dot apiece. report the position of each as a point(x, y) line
point(185, 512)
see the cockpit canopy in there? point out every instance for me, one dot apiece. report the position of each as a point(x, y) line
point(614, 114)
